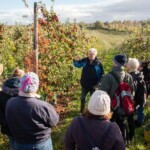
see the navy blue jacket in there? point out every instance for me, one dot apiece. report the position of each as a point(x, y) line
point(76, 138)
point(91, 73)
point(30, 120)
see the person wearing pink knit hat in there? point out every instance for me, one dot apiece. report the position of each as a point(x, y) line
point(31, 120)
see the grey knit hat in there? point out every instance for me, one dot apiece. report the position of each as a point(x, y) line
point(29, 83)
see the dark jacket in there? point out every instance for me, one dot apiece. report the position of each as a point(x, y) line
point(140, 87)
point(30, 120)
point(75, 136)
point(10, 89)
point(146, 73)
point(91, 73)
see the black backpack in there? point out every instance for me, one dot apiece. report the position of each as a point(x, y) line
point(140, 92)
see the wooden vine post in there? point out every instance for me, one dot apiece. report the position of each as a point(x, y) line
point(35, 43)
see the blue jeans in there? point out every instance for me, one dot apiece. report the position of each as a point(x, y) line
point(12, 142)
point(47, 145)
point(140, 115)
point(85, 92)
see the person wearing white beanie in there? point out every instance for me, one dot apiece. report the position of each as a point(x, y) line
point(95, 122)
point(99, 103)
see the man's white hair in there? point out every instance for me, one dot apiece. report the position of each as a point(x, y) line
point(133, 62)
point(93, 50)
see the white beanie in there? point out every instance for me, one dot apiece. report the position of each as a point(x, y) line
point(99, 103)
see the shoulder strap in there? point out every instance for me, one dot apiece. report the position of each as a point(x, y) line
point(106, 132)
point(115, 76)
point(89, 137)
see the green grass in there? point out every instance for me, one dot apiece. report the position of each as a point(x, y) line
point(58, 133)
point(106, 40)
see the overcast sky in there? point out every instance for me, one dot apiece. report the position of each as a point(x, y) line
point(12, 11)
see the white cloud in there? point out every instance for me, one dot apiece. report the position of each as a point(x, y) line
point(107, 10)
point(104, 10)
point(16, 16)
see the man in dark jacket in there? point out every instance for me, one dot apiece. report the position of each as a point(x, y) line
point(110, 85)
point(91, 74)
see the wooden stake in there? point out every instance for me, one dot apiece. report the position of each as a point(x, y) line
point(35, 44)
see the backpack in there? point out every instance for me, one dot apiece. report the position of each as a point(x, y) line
point(122, 103)
point(147, 81)
point(140, 93)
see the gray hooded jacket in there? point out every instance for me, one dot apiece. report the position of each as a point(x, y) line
point(109, 83)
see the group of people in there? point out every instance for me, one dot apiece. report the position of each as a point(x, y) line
point(28, 121)
point(131, 71)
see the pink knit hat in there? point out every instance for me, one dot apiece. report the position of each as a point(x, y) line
point(29, 82)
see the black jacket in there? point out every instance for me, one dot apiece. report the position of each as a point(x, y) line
point(140, 87)
point(10, 89)
point(91, 73)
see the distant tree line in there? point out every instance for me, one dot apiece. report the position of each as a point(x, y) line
point(126, 25)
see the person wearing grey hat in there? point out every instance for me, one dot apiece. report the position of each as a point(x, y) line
point(30, 120)
point(109, 84)
point(93, 130)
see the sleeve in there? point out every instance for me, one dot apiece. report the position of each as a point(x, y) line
point(2, 117)
point(119, 142)
point(46, 113)
point(102, 69)
point(79, 63)
point(145, 94)
point(105, 84)
point(131, 84)
point(52, 117)
point(2, 113)
point(69, 140)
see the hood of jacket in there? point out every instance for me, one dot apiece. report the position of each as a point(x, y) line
point(137, 75)
point(11, 86)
